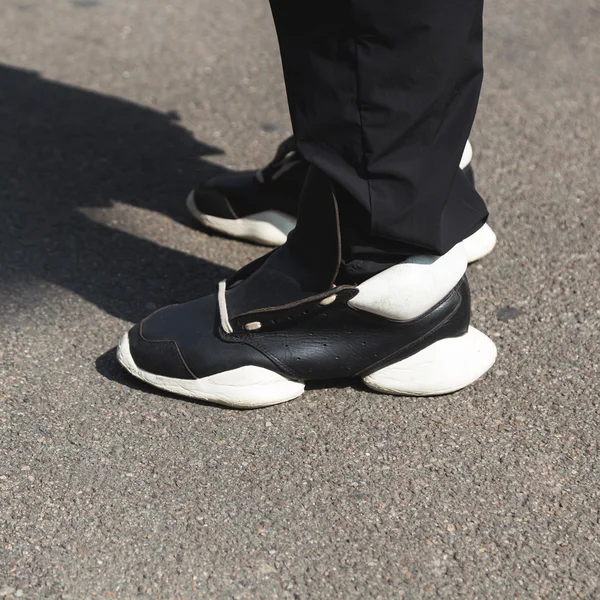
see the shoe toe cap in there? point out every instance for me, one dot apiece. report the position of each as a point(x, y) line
point(182, 341)
point(155, 355)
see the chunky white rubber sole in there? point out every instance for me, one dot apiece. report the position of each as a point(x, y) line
point(246, 387)
point(467, 156)
point(444, 367)
point(268, 228)
point(479, 244)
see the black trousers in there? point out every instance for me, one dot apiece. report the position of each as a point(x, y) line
point(382, 96)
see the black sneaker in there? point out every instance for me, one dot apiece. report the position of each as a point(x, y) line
point(258, 206)
point(261, 206)
point(268, 331)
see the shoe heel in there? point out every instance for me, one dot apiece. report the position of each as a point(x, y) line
point(444, 367)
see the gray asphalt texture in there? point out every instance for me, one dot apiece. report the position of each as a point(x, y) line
point(110, 112)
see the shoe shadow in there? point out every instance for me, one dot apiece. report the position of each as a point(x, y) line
point(64, 150)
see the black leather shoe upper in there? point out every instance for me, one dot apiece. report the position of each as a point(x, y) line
point(283, 312)
point(184, 341)
point(307, 340)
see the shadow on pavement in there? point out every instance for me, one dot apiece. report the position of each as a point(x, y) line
point(63, 149)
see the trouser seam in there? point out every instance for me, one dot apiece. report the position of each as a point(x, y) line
point(362, 133)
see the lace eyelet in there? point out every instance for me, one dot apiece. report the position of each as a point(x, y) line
point(328, 300)
point(253, 326)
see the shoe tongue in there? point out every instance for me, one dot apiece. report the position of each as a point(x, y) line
point(306, 265)
point(281, 279)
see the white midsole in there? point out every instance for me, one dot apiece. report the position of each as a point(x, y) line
point(444, 367)
point(268, 228)
point(479, 244)
point(467, 156)
point(245, 387)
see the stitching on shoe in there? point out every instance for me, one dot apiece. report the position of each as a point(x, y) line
point(171, 342)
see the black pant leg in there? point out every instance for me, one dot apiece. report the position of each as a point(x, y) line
point(382, 95)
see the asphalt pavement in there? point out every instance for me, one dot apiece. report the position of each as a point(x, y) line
point(110, 112)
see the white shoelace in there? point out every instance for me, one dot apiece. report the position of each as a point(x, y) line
point(222, 302)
